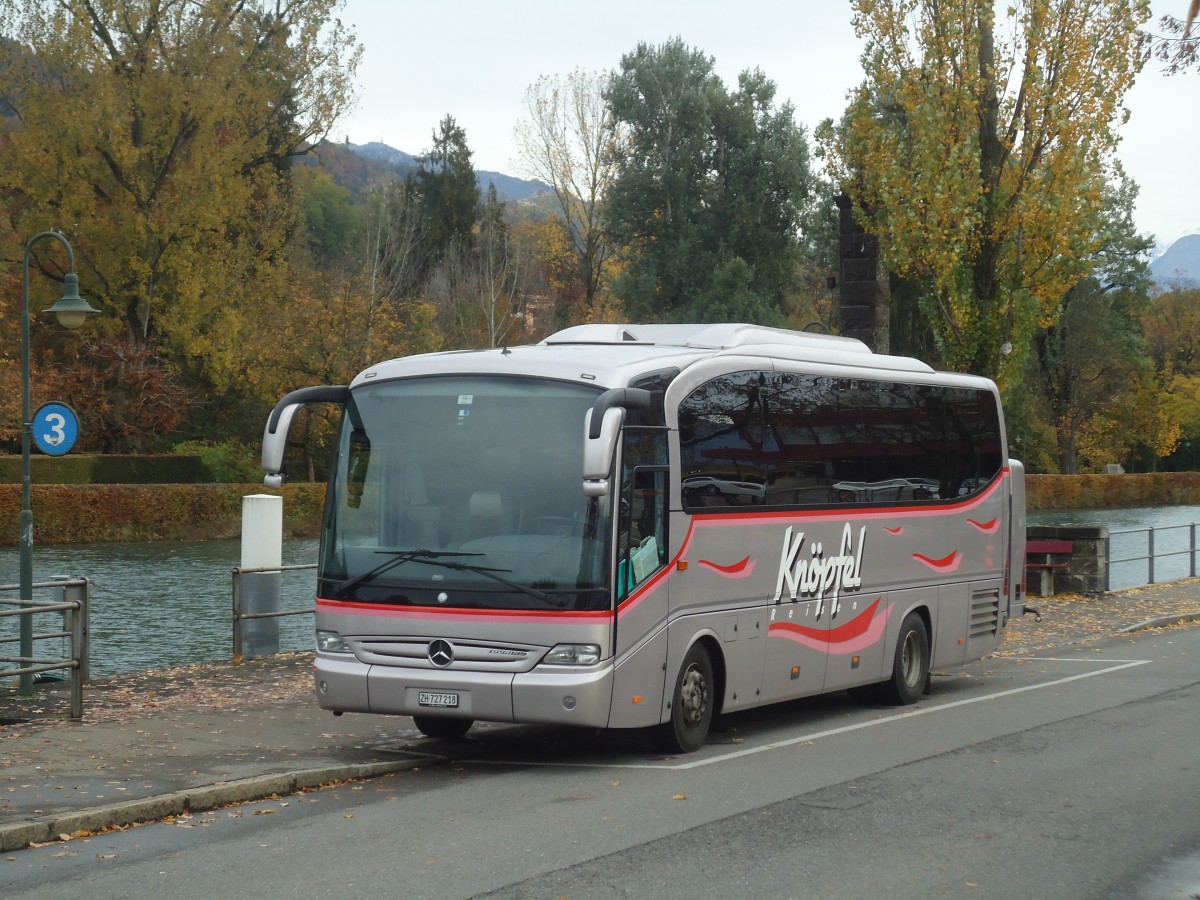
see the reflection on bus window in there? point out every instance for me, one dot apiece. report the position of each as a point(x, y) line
point(796, 440)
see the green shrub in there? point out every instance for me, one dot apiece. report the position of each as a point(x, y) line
point(226, 462)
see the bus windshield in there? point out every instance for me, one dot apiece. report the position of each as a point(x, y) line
point(465, 491)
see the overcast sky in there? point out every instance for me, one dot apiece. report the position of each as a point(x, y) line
point(474, 59)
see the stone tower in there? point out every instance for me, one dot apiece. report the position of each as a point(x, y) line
point(864, 299)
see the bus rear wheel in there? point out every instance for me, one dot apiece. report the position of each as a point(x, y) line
point(691, 705)
point(439, 727)
point(910, 666)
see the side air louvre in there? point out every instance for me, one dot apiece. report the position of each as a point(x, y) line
point(985, 614)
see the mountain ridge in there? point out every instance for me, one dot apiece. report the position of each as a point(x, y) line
point(1179, 265)
point(508, 187)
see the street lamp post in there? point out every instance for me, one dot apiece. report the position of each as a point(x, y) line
point(71, 311)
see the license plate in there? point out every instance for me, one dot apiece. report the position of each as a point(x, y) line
point(440, 700)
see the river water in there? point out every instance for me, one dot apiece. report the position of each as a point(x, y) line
point(1129, 540)
point(164, 603)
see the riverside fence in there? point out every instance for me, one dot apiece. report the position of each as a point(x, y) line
point(257, 604)
point(1103, 560)
point(71, 598)
point(1165, 553)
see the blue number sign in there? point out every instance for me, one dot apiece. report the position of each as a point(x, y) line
point(55, 428)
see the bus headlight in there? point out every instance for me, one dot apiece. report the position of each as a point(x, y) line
point(573, 655)
point(331, 642)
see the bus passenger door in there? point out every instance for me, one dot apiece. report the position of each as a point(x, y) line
point(640, 645)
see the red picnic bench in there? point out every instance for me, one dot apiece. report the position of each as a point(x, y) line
point(1045, 556)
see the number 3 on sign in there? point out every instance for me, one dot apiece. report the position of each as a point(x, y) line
point(55, 428)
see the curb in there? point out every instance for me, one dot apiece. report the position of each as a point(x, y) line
point(1161, 622)
point(18, 835)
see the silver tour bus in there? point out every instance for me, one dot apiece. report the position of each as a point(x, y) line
point(644, 526)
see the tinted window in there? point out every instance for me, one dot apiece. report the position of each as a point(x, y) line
point(723, 462)
point(787, 439)
point(815, 429)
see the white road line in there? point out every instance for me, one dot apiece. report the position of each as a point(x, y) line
point(845, 729)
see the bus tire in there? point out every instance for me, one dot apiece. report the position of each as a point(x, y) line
point(691, 705)
point(910, 666)
point(440, 727)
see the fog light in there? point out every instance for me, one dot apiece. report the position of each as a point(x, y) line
point(568, 702)
point(323, 687)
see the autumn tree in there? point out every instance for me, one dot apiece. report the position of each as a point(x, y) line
point(445, 184)
point(1090, 357)
point(708, 189)
point(396, 242)
point(1182, 404)
point(332, 327)
point(158, 134)
point(571, 142)
point(501, 273)
point(1172, 324)
point(1175, 43)
point(332, 221)
point(1136, 429)
point(478, 285)
point(978, 155)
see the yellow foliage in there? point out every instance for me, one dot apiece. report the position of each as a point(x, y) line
point(980, 161)
point(161, 143)
point(1142, 416)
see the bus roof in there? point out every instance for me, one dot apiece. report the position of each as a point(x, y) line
point(616, 354)
point(704, 337)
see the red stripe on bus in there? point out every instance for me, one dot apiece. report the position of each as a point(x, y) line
point(349, 607)
point(852, 629)
point(737, 570)
point(947, 563)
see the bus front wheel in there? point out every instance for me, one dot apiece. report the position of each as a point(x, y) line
point(691, 705)
point(439, 727)
point(910, 666)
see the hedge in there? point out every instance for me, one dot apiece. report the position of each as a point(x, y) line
point(70, 513)
point(1112, 491)
point(94, 513)
point(81, 468)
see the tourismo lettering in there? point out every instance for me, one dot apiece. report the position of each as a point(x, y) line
point(818, 575)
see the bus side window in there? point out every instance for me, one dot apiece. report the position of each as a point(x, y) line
point(642, 523)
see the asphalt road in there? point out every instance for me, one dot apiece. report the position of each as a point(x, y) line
point(1066, 777)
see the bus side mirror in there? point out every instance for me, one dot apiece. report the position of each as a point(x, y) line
point(275, 435)
point(601, 428)
point(599, 451)
point(275, 443)
point(356, 470)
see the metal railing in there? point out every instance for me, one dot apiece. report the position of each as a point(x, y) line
point(1169, 552)
point(73, 607)
point(240, 616)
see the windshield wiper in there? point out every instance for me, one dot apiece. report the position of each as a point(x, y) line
point(398, 558)
point(437, 558)
point(490, 572)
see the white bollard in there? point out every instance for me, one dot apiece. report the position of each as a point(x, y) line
point(262, 548)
